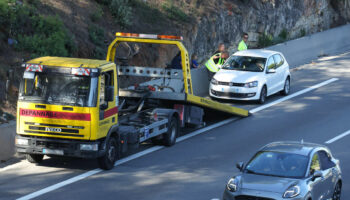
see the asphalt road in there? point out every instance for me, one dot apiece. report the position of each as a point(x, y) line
point(199, 167)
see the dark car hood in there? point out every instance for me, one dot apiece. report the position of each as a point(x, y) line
point(266, 183)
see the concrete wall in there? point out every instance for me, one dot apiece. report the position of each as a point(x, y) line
point(308, 48)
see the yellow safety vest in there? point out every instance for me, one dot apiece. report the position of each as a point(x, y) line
point(210, 64)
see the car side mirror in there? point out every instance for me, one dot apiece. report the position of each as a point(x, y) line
point(109, 93)
point(316, 174)
point(271, 71)
point(240, 166)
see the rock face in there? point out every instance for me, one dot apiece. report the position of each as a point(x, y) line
point(232, 18)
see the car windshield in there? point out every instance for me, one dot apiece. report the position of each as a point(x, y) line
point(245, 63)
point(278, 164)
point(59, 89)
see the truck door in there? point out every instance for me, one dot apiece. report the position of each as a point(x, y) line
point(108, 108)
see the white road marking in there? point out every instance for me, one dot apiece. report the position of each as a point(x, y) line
point(156, 148)
point(260, 108)
point(338, 137)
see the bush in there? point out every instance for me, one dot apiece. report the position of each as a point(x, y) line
point(175, 13)
point(121, 11)
point(265, 40)
point(97, 15)
point(49, 38)
point(36, 34)
point(96, 34)
point(283, 34)
point(302, 32)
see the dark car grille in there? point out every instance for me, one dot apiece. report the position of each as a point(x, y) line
point(231, 84)
point(232, 95)
point(246, 197)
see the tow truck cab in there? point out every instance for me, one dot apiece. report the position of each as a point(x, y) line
point(66, 106)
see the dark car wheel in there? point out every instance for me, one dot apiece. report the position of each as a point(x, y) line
point(107, 161)
point(337, 192)
point(169, 138)
point(286, 88)
point(34, 158)
point(263, 95)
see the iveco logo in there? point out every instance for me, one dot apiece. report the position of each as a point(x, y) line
point(53, 129)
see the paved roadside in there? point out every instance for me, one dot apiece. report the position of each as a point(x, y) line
point(7, 140)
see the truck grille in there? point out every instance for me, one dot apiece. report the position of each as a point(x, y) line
point(53, 129)
point(246, 197)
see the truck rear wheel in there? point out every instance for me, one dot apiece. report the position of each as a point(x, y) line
point(107, 161)
point(169, 138)
point(34, 158)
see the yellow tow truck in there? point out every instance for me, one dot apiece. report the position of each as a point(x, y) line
point(78, 107)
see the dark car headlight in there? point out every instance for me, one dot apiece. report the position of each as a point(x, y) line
point(232, 185)
point(214, 81)
point(291, 192)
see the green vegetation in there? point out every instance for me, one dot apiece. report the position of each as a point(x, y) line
point(302, 32)
point(37, 34)
point(121, 10)
point(175, 13)
point(97, 14)
point(96, 36)
point(266, 39)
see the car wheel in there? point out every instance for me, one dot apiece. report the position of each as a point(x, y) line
point(34, 158)
point(263, 95)
point(286, 88)
point(107, 161)
point(169, 138)
point(337, 192)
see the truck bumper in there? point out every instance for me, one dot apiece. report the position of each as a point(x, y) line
point(59, 147)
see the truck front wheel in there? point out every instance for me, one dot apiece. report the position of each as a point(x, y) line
point(107, 161)
point(34, 158)
point(169, 138)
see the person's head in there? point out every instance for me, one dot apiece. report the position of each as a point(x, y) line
point(194, 56)
point(245, 37)
point(221, 47)
point(224, 55)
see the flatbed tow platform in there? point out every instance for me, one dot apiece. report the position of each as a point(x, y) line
point(183, 86)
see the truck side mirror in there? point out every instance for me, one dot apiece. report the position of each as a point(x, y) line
point(109, 93)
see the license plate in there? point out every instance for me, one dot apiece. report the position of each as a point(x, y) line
point(53, 151)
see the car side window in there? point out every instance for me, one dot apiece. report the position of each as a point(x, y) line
point(315, 164)
point(271, 63)
point(326, 160)
point(278, 59)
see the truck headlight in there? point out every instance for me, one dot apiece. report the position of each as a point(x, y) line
point(251, 84)
point(22, 141)
point(89, 147)
point(232, 185)
point(214, 81)
point(291, 192)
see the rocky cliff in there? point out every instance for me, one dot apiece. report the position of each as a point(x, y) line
point(89, 25)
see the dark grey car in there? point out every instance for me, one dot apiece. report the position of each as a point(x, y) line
point(287, 170)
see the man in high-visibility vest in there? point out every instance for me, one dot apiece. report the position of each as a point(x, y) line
point(242, 45)
point(213, 66)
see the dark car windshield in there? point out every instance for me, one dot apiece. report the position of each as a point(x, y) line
point(59, 88)
point(245, 63)
point(278, 164)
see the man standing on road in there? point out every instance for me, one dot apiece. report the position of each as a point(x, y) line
point(242, 45)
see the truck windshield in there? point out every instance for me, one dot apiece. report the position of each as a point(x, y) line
point(60, 89)
point(245, 63)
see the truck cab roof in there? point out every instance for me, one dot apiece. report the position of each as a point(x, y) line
point(69, 62)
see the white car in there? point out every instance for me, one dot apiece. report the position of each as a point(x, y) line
point(251, 75)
